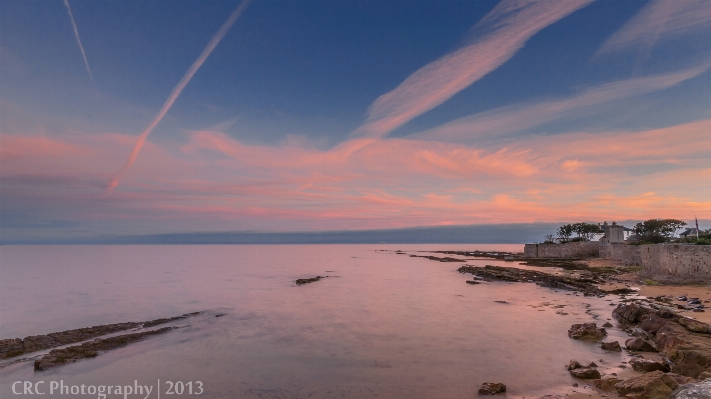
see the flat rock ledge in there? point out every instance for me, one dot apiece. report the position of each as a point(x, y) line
point(499, 273)
point(15, 347)
point(91, 349)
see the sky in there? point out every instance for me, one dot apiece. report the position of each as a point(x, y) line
point(155, 117)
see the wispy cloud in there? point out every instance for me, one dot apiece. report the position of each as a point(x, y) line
point(513, 118)
point(76, 34)
point(502, 33)
point(178, 89)
point(658, 19)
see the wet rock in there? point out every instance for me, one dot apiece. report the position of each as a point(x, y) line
point(630, 313)
point(157, 322)
point(654, 385)
point(611, 346)
point(499, 273)
point(302, 281)
point(646, 365)
point(586, 331)
point(695, 325)
point(585, 373)
point(492, 388)
point(639, 345)
point(701, 390)
point(473, 282)
point(87, 350)
point(607, 324)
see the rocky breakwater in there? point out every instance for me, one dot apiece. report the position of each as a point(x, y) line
point(91, 349)
point(15, 347)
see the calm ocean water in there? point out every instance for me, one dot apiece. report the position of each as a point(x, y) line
point(385, 325)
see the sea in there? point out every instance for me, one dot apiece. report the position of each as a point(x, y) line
point(382, 324)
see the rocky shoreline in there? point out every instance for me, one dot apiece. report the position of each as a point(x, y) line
point(14, 347)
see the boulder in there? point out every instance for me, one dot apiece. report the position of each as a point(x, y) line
point(611, 346)
point(639, 345)
point(647, 365)
point(629, 313)
point(587, 331)
point(654, 385)
point(585, 373)
point(492, 388)
point(701, 390)
point(607, 324)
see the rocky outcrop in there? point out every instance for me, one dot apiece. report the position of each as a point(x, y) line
point(688, 349)
point(587, 331)
point(492, 388)
point(91, 349)
point(16, 347)
point(585, 373)
point(606, 383)
point(611, 346)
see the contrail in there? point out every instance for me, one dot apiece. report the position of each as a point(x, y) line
point(179, 88)
point(76, 33)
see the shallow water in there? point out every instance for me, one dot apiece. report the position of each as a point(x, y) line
point(384, 325)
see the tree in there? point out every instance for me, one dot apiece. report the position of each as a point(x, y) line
point(565, 232)
point(548, 239)
point(586, 231)
point(658, 230)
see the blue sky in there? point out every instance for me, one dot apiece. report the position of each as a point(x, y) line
point(316, 76)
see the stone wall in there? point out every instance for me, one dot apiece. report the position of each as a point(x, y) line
point(589, 249)
point(626, 254)
point(664, 261)
point(677, 261)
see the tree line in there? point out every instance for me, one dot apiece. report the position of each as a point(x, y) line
point(649, 231)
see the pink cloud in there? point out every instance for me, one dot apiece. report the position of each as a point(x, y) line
point(504, 31)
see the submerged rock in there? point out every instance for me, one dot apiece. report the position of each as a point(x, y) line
point(587, 331)
point(492, 388)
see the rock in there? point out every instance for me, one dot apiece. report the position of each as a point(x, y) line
point(592, 364)
point(695, 325)
point(654, 385)
point(573, 365)
point(701, 390)
point(586, 331)
point(607, 324)
point(492, 388)
point(606, 383)
point(585, 373)
point(639, 345)
point(646, 365)
point(611, 346)
point(302, 281)
point(472, 282)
